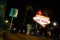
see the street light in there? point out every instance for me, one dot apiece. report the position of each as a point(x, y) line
point(54, 23)
point(6, 21)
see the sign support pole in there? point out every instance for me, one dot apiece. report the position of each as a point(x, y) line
point(36, 26)
point(11, 24)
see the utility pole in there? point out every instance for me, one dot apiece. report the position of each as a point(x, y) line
point(28, 8)
point(2, 13)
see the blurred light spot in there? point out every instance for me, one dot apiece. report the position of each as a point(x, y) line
point(23, 31)
point(14, 29)
point(6, 21)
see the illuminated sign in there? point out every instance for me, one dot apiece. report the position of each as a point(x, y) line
point(42, 20)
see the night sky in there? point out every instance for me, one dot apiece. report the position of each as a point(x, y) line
point(36, 4)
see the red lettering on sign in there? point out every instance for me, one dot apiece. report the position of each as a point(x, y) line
point(44, 21)
point(37, 19)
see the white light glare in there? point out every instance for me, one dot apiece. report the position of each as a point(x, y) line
point(54, 24)
point(6, 21)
